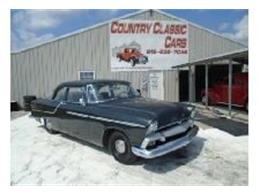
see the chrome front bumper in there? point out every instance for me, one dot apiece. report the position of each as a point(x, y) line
point(167, 147)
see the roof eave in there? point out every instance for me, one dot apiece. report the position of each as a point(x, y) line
point(122, 17)
point(228, 55)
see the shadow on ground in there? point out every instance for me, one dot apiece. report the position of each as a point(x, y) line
point(230, 126)
point(175, 159)
point(161, 164)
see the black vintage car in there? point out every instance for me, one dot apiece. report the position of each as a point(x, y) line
point(112, 114)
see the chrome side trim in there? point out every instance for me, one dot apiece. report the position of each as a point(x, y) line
point(167, 147)
point(105, 119)
point(49, 112)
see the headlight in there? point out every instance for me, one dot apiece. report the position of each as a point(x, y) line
point(193, 114)
point(152, 127)
point(190, 107)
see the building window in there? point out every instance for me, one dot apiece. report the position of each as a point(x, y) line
point(86, 75)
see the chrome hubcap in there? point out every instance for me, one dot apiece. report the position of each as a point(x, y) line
point(120, 146)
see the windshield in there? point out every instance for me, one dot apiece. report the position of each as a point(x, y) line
point(100, 92)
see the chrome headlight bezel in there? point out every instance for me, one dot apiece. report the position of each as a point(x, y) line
point(192, 117)
point(193, 114)
point(152, 127)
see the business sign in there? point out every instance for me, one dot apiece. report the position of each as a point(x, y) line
point(147, 45)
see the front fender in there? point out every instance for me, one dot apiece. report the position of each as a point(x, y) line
point(135, 135)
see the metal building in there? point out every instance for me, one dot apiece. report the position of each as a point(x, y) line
point(38, 70)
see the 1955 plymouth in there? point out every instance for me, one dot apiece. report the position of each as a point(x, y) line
point(112, 114)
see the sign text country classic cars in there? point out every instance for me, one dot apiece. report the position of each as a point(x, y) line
point(148, 45)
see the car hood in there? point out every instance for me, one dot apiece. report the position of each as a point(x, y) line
point(145, 110)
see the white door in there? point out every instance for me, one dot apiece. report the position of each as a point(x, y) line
point(156, 89)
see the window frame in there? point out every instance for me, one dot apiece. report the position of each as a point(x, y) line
point(87, 94)
point(101, 101)
point(65, 94)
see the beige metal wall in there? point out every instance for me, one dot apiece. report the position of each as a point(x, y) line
point(203, 44)
point(38, 70)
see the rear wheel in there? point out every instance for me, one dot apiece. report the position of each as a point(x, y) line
point(120, 147)
point(47, 125)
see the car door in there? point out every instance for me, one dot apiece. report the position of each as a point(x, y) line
point(79, 120)
point(57, 111)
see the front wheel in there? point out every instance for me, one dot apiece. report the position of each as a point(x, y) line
point(120, 147)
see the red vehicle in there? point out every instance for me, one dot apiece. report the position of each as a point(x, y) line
point(218, 93)
point(133, 56)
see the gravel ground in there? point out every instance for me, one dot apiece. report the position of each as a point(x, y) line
point(38, 158)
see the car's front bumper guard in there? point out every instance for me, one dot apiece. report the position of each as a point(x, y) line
point(167, 147)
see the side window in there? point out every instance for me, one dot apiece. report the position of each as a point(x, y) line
point(60, 95)
point(104, 93)
point(75, 94)
point(121, 90)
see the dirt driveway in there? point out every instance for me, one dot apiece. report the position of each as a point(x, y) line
point(213, 158)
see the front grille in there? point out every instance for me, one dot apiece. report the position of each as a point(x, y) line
point(171, 125)
point(168, 139)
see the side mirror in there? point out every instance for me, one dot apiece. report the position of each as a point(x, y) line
point(82, 102)
point(139, 91)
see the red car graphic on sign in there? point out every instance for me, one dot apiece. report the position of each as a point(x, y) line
point(132, 55)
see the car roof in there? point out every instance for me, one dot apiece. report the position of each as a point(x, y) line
point(85, 82)
point(79, 83)
point(242, 75)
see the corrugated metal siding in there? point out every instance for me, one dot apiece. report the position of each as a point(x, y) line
point(171, 85)
point(38, 70)
point(204, 44)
